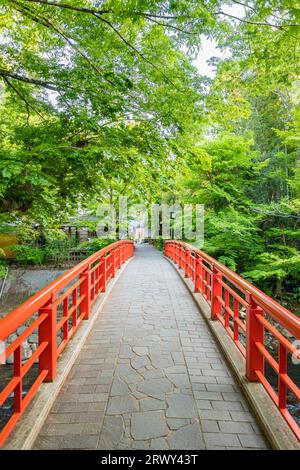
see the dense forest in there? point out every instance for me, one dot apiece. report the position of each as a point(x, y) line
point(102, 98)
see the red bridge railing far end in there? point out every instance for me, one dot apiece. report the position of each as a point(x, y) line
point(58, 309)
point(250, 317)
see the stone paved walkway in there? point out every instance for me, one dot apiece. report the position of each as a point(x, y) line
point(150, 375)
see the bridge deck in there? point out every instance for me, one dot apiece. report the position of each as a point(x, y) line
point(150, 375)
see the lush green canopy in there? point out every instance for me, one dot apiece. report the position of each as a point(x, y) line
point(101, 98)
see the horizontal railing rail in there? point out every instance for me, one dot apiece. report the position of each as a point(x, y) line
point(252, 319)
point(49, 319)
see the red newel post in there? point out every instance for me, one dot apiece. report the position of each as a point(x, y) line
point(216, 305)
point(48, 333)
point(85, 286)
point(254, 334)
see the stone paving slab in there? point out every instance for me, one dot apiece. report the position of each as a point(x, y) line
point(150, 375)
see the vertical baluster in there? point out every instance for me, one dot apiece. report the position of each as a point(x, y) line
point(65, 315)
point(85, 305)
point(74, 304)
point(198, 280)
point(235, 317)
point(118, 257)
point(226, 314)
point(92, 287)
point(216, 289)
point(97, 281)
point(202, 274)
point(254, 334)
point(113, 261)
point(17, 373)
point(48, 333)
point(186, 264)
point(103, 274)
point(282, 388)
point(207, 285)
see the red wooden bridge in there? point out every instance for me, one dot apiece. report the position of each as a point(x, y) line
point(153, 371)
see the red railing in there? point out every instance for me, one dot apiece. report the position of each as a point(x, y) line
point(58, 309)
point(251, 318)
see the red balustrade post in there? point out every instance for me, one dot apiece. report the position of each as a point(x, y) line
point(254, 335)
point(117, 253)
point(17, 373)
point(172, 251)
point(198, 275)
point(85, 287)
point(282, 387)
point(103, 274)
point(216, 296)
point(102, 270)
point(186, 263)
point(180, 253)
point(48, 334)
point(180, 256)
point(113, 263)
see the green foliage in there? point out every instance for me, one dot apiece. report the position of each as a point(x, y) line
point(54, 252)
point(101, 99)
point(57, 251)
point(159, 243)
point(3, 265)
point(27, 255)
point(95, 244)
point(247, 175)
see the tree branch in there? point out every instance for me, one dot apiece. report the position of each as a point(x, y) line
point(166, 25)
point(149, 15)
point(256, 12)
point(33, 81)
point(46, 22)
point(97, 13)
point(255, 23)
point(136, 51)
point(28, 105)
point(71, 7)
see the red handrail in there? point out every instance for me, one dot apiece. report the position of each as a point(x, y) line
point(71, 295)
point(279, 313)
point(228, 294)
